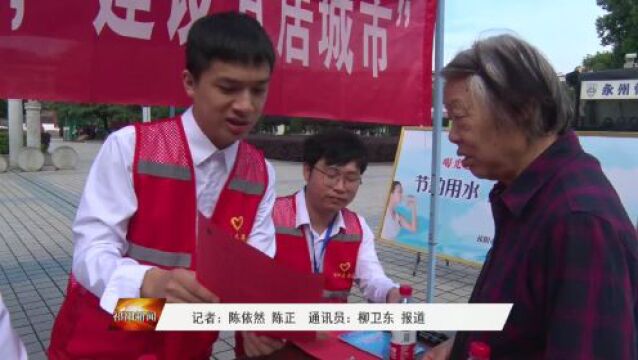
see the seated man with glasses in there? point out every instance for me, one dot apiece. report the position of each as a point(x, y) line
point(316, 232)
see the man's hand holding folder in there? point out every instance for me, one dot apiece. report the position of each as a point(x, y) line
point(239, 273)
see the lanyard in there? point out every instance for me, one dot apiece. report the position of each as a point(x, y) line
point(315, 263)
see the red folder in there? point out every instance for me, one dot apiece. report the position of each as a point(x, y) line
point(239, 273)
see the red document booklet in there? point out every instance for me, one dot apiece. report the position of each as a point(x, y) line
point(331, 347)
point(239, 273)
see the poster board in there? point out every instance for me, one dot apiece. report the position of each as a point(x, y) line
point(466, 226)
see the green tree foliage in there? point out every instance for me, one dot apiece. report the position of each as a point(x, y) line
point(4, 141)
point(600, 61)
point(106, 113)
point(619, 28)
point(3, 108)
point(96, 120)
point(96, 114)
point(103, 118)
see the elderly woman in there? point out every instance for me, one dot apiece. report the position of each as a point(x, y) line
point(565, 252)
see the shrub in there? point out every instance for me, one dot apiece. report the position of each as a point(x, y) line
point(45, 140)
point(4, 142)
point(290, 147)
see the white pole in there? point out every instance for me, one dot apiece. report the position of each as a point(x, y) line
point(146, 114)
point(33, 109)
point(16, 119)
point(437, 122)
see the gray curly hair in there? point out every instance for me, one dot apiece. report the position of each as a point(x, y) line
point(515, 81)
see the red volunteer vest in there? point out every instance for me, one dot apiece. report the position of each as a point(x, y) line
point(161, 233)
point(340, 258)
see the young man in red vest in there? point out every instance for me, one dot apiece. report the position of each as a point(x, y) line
point(317, 233)
point(135, 229)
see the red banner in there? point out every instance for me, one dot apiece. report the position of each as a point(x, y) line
point(354, 60)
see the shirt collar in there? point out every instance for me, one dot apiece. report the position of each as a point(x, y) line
point(540, 171)
point(201, 147)
point(302, 217)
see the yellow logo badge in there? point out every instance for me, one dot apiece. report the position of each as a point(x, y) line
point(237, 222)
point(344, 271)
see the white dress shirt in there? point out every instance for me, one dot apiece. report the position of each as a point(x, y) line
point(109, 202)
point(369, 274)
point(11, 347)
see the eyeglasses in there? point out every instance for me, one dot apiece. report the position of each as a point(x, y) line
point(331, 178)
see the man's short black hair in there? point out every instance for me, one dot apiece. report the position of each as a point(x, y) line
point(336, 147)
point(230, 37)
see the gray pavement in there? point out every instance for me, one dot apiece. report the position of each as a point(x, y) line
point(37, 210)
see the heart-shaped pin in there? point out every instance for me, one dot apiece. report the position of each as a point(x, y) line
point(344, 267)
point(237, 222)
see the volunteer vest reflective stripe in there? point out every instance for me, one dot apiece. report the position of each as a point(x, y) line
point(340, 258)
point(161, 233)
point(159, 257)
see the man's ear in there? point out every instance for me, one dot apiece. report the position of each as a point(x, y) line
point(306, 172)
point(189, 82)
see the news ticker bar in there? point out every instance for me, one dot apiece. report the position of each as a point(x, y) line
point(326, 317)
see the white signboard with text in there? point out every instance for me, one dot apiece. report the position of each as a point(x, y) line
point(609, 90)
